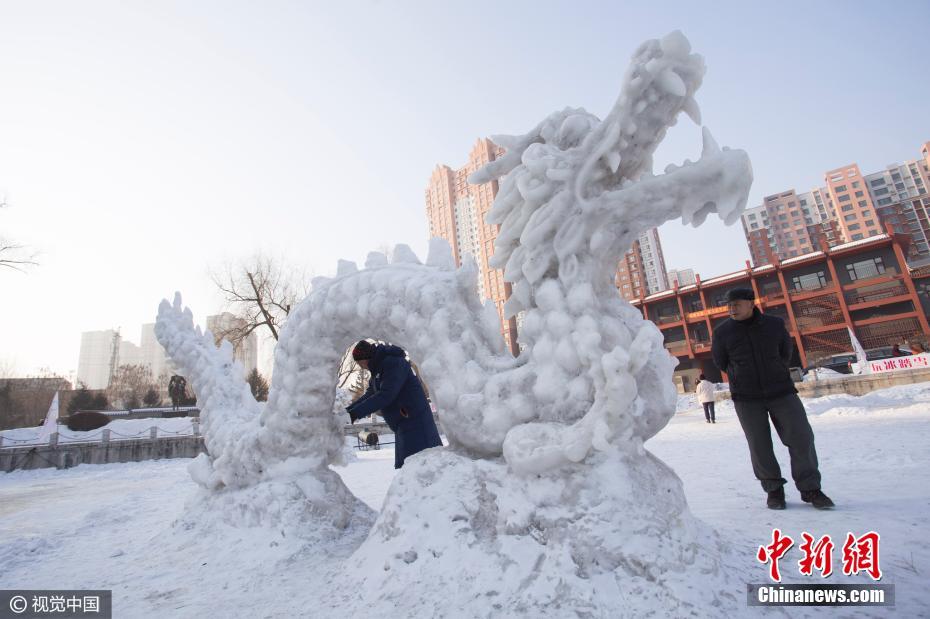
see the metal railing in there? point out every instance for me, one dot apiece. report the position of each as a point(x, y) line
point(105, 435)
point(876, 292)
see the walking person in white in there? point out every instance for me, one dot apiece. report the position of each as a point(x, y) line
point(705, 393)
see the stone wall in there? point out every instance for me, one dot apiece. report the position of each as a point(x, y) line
point(854, 385)
point(66, 455)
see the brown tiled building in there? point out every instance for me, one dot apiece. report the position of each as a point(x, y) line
point(863, 284)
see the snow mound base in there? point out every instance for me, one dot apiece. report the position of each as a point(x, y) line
point(613, 537)
point(318, 510)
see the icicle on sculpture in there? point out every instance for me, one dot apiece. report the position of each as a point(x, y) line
point(574, 492)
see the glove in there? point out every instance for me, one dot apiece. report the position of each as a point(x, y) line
point(351, 417)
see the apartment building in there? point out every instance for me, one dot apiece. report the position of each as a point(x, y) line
point(851, 206)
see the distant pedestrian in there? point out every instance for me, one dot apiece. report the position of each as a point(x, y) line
point(897, 352)
point(754, 349)
point(395, 391)
point(177, 389)
point(705, 393)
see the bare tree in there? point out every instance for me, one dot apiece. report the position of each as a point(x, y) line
point(12, 255)
point(130, 384)
point(262, 292)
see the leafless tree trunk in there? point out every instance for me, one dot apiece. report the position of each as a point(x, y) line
point(12, 255)
point(260, 291)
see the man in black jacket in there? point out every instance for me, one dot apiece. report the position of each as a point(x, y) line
point(754, 349)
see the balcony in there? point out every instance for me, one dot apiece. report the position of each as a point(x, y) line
point(813, 291)
point(819, 321)
point(678, 347)
point(667, 319)
point(712, 312)
point(876, 292)
point(700, 345)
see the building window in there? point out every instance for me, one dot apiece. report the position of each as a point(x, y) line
point(855, 184)
point(878, 182)
point(847, 207)
point(811, 281)
point(843, 198)
point(853, 227)
point(881, 191)
point(884, 201)
point(863, 204)
point(858, 194)
point(869, 223)
point(873, 267)
point(857, 237)
point(839, 188)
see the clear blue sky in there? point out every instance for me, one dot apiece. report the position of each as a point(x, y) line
point(143, 142)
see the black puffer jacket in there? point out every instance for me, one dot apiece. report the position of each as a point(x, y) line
point(755, 354)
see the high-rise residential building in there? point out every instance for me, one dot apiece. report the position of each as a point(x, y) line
point(680, 277)
point(630, 278)
point(153, 355)
point(900, 196)
point(456, 211)
point(653, 262)
point(99, 351)
point(102, 352)
point(855, 212)
point(246, 351)
point(641, 270)
point(849, 207)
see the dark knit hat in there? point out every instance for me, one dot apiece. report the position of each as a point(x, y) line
point(741, 294)
point(363, 350)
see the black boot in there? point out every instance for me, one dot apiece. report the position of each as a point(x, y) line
point(776, 499)
point(817, 498)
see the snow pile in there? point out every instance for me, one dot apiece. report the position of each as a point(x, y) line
point(823, 374)
point(582, 540)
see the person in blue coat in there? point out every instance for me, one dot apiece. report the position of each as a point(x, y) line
point(397, 392)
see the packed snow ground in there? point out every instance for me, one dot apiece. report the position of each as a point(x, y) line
point(131, 527)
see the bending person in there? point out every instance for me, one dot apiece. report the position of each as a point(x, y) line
point(395, 391)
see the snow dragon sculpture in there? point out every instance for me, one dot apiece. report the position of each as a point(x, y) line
point(603, 520)
point(576, 193)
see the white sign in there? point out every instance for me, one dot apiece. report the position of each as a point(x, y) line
point(895, 364)
point(51, 420)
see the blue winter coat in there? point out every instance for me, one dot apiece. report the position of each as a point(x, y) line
point(396, 391)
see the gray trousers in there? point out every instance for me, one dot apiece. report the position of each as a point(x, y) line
point(790, 421)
